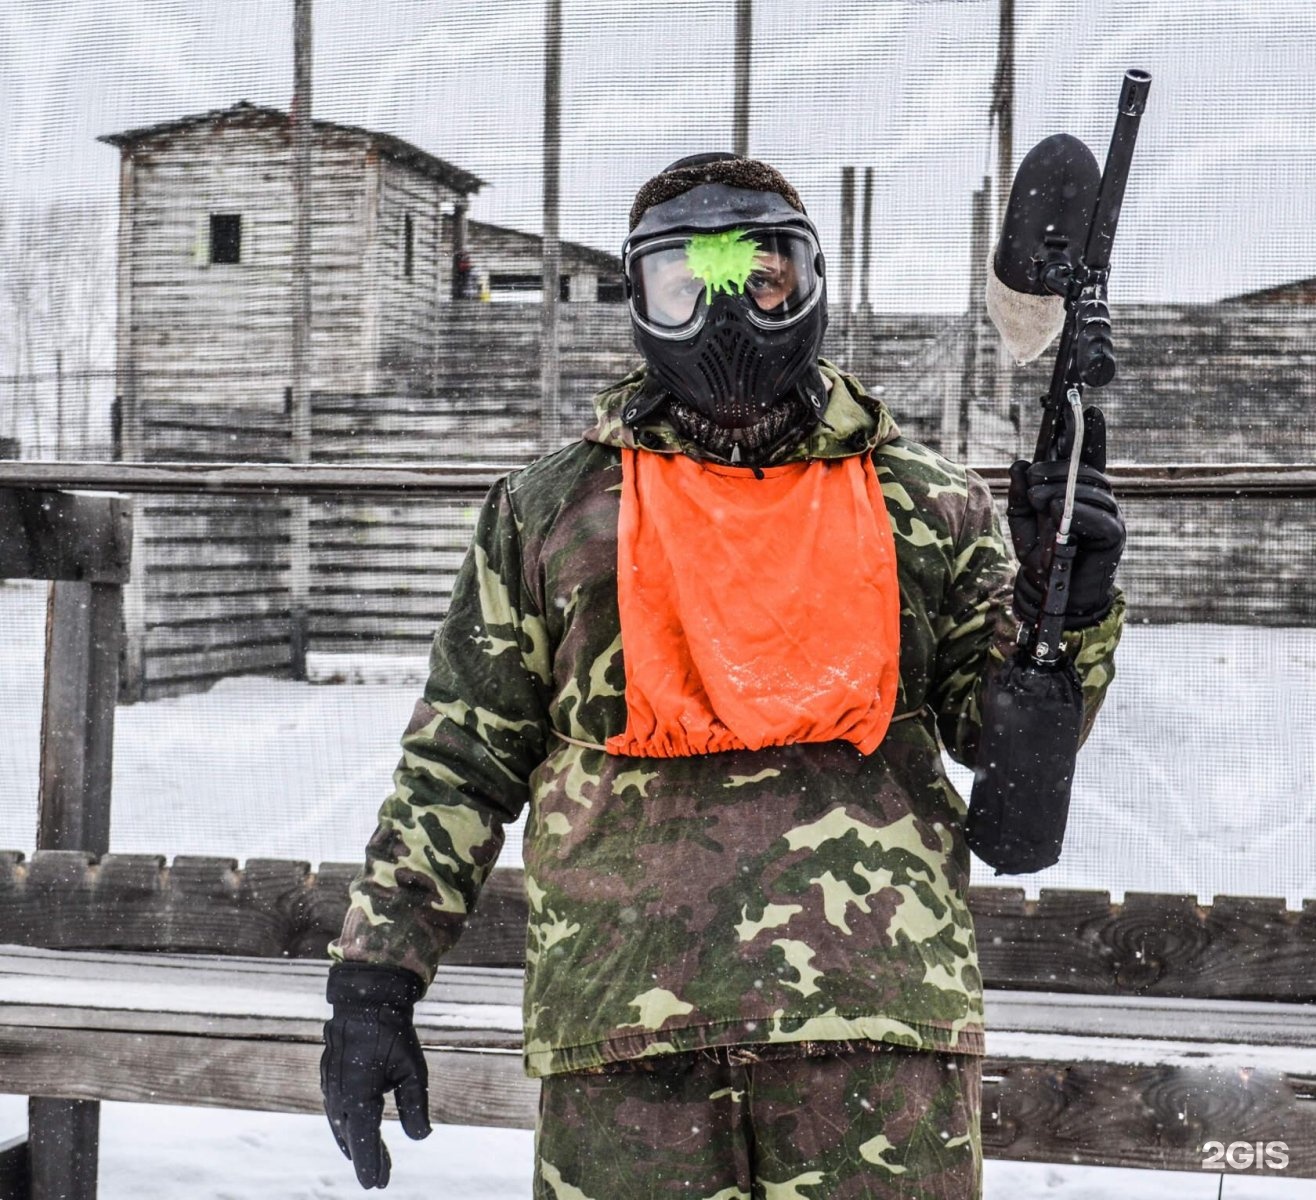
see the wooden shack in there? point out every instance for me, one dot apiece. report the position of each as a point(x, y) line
point(205, 260)
point(204, 372)
point(508, 263)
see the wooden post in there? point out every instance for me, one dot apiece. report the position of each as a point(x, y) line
point(549, 381)
point(130, 427)
point(63, 1145)
point(83, 631)
point(299, 567)
point(83, 543)
point(866, 245)
point(59, 404)
point(744, 43)
point(847, 242)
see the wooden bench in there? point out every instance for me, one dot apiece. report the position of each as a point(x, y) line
point(239, 1032)
point(1124, 1034)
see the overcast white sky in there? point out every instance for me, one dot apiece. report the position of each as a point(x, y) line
point(1222, 198)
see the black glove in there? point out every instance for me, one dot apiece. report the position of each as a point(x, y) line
point(1034, 511)
point(370, 1048)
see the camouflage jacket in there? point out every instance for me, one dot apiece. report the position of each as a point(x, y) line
point(796, 894)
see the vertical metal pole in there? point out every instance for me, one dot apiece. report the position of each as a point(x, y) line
point(744, 43)
point(1003, 107)
point(866, 246)
point(972, 383)
point(847, 241)
point(1003, 111)
point(299, 573)
point(549, 381)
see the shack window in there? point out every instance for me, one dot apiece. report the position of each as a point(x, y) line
point(225, 238)
point(516, 283)
point(408, 246)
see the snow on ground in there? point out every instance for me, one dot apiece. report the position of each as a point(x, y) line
point(154, 1153)
point(1198, 778)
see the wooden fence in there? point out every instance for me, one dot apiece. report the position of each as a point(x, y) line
point(1118, 1034)
point(1121, 1034)
point(387, 541)
point(211, 597)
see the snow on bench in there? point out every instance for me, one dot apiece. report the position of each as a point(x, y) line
point(239, 1033)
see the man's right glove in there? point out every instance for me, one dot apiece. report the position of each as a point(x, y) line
point(1034, 510)
point(371, 1048)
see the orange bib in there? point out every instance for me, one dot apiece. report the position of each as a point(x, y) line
point(754, 612)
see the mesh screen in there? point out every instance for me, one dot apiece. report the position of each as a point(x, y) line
point(148, 246)
point(146, 312)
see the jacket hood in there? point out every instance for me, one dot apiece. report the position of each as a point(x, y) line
point(852, 423)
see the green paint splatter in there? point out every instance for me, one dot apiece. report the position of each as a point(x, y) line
point(724, 261)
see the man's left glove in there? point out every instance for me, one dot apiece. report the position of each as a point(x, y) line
point(1034, 511)
point(371, 1048)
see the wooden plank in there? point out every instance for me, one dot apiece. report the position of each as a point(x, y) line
point(66, 900)
point(486, 1087)
point(242, 996)
point(239, 479)
point(178, 611)
point(84, 632)
point(249, 658)
point(234, 997)
point(1153, 1018)
point(254, 579)
point(1141, 1116)
point(1188, 480)
point(265, 554)
point(1068, 941)
point(373, 629)
point(1078, 1095)
point(229, 634)
point(379, 537)
point(1078, 941)
point(53, 535)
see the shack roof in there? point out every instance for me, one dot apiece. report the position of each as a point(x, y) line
point(255, 115)
point(1297, 291)
point(587, 255)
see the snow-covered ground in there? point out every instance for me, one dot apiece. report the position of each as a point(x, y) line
point(1198, 778)
point(154, 1153)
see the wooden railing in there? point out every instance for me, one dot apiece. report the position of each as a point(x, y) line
point(1118, 1033)
point(1178, 480)
point(1125, 1034)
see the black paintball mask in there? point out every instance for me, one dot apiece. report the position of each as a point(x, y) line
point(728, 307)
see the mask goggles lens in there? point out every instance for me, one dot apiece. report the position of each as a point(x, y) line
point(674, 280)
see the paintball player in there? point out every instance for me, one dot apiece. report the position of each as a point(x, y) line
point(717, 646)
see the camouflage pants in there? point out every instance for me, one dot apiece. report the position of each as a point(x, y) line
point(885, 1124)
